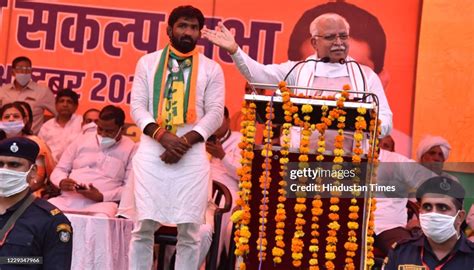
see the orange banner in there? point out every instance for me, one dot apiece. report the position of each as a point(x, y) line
point(93, 48)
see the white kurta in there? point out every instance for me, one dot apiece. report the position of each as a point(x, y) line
point(311, 75)
point(84, 162)
point(225, 170)
point(405, 175)
point(175, 193)
point(58, 138)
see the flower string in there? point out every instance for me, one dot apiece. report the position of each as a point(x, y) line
point(241, 217)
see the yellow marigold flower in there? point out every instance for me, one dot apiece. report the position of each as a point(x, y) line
point(276, 259)
point(299, 234)
point(334, 225)
point(361, 110)
point(338, 159)
point(313, 248)
point(236, 216)
point(307, 108)
point(329, 255)
point(320, 158)
point(267, 153)
point(313, 261)
point(334, 208)
point(297, 255)
point(324, 108)
point(353, 225)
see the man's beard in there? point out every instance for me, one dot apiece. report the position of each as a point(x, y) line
point(184, 45)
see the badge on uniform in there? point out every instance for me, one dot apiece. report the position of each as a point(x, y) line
point(55, 211)
point(411, 267)
point(64, 231)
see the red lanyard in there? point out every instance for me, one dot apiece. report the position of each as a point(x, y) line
point(439, 267)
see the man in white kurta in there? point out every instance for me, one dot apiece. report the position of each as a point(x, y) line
point(330, 36)
point(60, 131)
point(391, 215)
point(225, 159)
point(171, 171)
point(94, 168)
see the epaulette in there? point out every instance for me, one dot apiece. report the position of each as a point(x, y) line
point(407, 240)
point(47, 206)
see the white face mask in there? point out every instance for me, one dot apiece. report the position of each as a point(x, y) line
point(438, 227)
point(23, 78)
point(12, 128)
point(89, 127)
point(12, 182)
point(107, 142)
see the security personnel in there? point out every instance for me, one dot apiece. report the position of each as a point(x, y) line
point(29, 227)
point(442, 244)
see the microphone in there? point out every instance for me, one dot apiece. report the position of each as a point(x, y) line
point(324, 60)
point(343, 61)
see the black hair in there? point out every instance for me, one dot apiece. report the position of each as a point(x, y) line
point(67, 92)
point(21, 59)
point(27, 129)
point(188, 12)
point(29, 111)
point(363, 27)
point(112, 112)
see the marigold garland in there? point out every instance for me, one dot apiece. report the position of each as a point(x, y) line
point(279, 250)
point(242, 217)
point(372, 158)
point(297, 244)
point(316, 212)
point(265, 181)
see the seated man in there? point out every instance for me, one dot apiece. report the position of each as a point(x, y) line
point(432, 152)
point(60, 131)
point(34, 227)
point(225, 160)
point(391, 214)
point(94, 168)
point(89, 120)
point(442, 245)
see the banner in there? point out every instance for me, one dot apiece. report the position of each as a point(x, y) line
point(93, 48)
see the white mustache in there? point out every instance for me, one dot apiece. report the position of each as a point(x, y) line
point(337, 48)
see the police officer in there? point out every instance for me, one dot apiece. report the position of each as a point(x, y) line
point(29, 227)
point(442, 244)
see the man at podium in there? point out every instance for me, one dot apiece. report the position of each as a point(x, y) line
point(332, 69)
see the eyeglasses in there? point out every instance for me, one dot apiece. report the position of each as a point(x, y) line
point(22, 69)
point(334, 36)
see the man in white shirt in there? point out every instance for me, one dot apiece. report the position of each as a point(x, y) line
point(432, 152)
point(224, 150)
point(330, 40)
point(89, 120)
point(391, 215)
point(94, 168)
point(23, 88)
point(60, 131)
point(178, 102)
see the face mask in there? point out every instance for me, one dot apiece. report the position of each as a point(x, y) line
point(12, 182)
point(12, 128)
point(438, 227)
point(23, 78)
point(107, 142)
point(89, 127)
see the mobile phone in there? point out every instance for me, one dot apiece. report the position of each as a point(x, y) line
point(80, 187)
point(212, 139)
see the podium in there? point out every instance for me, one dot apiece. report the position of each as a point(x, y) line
point(260, 164)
